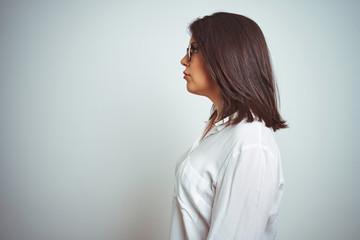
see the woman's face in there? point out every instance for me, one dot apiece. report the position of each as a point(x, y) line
point(197, 75)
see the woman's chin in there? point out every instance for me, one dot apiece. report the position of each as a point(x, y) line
point(189, 89)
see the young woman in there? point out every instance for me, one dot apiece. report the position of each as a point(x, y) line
point(230, 183)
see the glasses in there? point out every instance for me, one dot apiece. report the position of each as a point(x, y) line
point(192, 48)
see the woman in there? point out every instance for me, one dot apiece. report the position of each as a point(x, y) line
point(230, 183)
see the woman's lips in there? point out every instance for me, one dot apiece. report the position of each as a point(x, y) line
point(185, 74)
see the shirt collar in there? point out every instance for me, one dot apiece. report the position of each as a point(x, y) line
point(223, 122)
point(218, 126)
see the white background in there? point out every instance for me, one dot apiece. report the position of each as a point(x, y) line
point(94, 114)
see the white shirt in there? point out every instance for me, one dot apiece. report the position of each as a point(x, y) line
point(228, 185)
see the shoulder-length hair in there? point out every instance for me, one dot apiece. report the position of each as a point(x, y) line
point(235, 51)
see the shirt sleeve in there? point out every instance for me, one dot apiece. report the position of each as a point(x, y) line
point(244, 193)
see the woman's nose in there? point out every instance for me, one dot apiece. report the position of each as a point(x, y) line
point(184, 61)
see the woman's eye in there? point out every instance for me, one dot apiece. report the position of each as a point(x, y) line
point(195, 47)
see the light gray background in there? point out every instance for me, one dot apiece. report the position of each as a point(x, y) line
point(95, 113)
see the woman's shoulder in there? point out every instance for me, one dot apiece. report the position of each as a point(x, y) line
point(251, 134)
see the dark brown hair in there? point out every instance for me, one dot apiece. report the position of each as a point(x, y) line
point(235, 51)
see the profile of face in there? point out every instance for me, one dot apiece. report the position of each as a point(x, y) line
point(198, 78)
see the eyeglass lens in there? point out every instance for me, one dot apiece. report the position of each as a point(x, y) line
point(189, 52)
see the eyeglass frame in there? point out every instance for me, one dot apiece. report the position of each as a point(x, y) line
point(189, 52)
